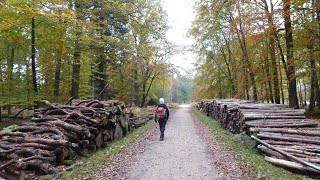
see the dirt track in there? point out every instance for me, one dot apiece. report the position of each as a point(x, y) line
point(185, 153)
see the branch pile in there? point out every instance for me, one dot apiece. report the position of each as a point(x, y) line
point(43, 144)
point(285, 129)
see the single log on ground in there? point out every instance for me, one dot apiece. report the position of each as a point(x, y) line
point(273, 125)
point(270, 152)
point(287, 131)
point(288, 138)
point(289, 164)
point(317, 168)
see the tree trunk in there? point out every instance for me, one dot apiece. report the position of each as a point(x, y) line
point(317, 91)
point(10, 67)
point(318, 10)
point(276, 91)
point(144, 95)
point(76, 70)
point(317, 5)
point(269, 94)
point(266, 90)
point(272, 50)
point(229, 63)
point(136, 86)
point(300, 93)
point(57, 77)
point(76, 55)
point(251, 75)
point(100, 82)
point(281, 88)
point(293, 99)
point(33, 55)
point(10, 75)
point(305, 93)
point(246, 84)
point(242, 41)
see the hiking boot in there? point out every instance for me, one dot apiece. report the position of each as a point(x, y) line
point(161, 137)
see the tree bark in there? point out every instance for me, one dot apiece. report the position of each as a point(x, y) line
point(313, 78)
point(317, 5)
point(76, 70)
point(317, 90)
point(300, 93)
point(281, 88)
point(243, 45)
point(33, 55)
point(289, 164)
point(10, 74)
point(99, 78)
point(287, 155)
point(136, 86)
point(146, 91)
point(276, 91)
point(57, 75)
point(246, 83)
point(229, 63)
point(293, 99)
point(269, 94)
point(305, 92)
point(76, 55)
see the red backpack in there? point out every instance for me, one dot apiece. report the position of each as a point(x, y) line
point(161, 112)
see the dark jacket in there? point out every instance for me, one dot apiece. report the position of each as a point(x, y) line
point(167, 111)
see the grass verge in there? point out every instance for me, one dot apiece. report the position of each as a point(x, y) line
point(96, 160)
point(258, 168)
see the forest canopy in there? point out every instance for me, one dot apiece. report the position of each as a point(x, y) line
point(57, 49)
point(264, 50)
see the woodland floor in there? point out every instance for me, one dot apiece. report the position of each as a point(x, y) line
point(189, 151)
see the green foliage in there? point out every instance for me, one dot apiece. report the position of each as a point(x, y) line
point(114, 39)
point(47, 177)
point(10, 128)
point(241, 44)
point(182, 89)
point(68, 162)
point(245, 140)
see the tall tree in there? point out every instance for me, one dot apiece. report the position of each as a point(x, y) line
point(77, 51)
point(293, 98)
point(33, 55)
point(272, 37)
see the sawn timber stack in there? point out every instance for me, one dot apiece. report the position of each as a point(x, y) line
point(281, 127)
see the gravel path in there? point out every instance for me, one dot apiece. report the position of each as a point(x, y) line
point(182, 154)
point(185, 153)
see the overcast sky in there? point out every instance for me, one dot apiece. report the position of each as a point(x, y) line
point(180, 14)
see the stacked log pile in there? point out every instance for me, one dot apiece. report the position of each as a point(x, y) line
point(241, 115)
point(45, 143)
point(277, 128)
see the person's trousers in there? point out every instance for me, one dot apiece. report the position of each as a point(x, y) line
point(162, 124)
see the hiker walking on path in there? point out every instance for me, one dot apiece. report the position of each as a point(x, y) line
point(162, 115)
